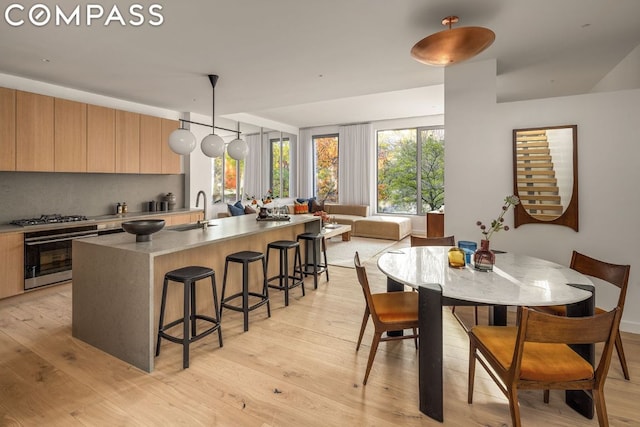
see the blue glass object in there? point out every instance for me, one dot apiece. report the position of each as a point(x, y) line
point(469, 248)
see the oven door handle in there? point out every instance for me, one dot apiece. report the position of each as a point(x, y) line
point(64, 239)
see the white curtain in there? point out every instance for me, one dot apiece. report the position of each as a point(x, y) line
point(253, 166)
point(356, 158)
point(304, 166)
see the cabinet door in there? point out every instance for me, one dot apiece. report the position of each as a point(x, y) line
point(101, 139)
point(34, 132)
point(127, 142)
point(70, 136)
point(7, 129)
point(11, 264)
point(171, 162)
point(150, 139)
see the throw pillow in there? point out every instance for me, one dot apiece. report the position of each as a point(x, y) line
point(236, 209)
point(307, 201)
point(300, 207)
point(249, 210)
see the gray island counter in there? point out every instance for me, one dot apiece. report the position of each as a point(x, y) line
point(117, 282)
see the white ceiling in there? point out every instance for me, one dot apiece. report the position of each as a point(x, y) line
point(310, 63)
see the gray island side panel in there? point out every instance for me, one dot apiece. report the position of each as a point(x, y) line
point(112, 302)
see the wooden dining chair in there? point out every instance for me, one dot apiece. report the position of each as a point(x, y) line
point(390, 311)
point(615, 274)
point(433, 241)
point(536, 355)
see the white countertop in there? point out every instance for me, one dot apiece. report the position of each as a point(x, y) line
point(167, 241)
point(515, 280)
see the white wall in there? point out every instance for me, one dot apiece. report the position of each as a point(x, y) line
point(479, 174)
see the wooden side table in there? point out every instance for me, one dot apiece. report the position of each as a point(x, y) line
point(435, 224)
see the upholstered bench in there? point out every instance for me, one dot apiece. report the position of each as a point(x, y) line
point(383, 227)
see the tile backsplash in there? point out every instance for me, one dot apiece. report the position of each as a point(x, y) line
point(31, 194)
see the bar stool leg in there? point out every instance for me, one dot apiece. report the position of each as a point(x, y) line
point(284, 265)
point(245, 294)
point(298, 257)
point(324, 251)
point(315, 266)
point(265, 287)
point(185, 325)
point(224, 286)
point(216, 307)
point(162, 307)
point(193, 309)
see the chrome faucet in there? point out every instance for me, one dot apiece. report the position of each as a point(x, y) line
point(204, 196)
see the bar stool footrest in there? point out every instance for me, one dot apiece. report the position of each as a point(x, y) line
point(177, 340)
point(263, 301)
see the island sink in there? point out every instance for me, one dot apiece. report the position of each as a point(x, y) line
point(191, 226)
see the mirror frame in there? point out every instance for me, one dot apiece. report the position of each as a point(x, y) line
point(569, 217)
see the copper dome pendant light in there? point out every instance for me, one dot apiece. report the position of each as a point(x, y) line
point(452, 45)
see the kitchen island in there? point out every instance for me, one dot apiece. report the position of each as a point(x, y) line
point(117, 282)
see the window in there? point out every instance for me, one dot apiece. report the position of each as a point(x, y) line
point(406, 185)
point(280, 162)
point(231, 188)
point(325, 165)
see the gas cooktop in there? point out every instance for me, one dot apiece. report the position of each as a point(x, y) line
point(48, 219)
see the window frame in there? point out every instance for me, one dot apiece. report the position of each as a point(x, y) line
point(419, 143)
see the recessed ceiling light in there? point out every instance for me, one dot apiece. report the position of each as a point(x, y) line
point(46, 60)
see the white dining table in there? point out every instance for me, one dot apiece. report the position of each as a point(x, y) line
point(516, 280)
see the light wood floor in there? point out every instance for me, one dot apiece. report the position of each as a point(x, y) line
point(298, 368)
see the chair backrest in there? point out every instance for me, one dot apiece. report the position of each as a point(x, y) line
point(433, 241)
point(536, 326)
point(616, 274)
point(364, 283)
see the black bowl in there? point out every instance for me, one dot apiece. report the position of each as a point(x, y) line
point(143, 229)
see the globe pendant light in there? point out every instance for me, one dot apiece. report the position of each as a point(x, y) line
point(181, 141)
point(238, 149)
point(453, 45)
point(213, 145)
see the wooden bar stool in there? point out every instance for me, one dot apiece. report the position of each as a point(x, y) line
point(188, 276)
point(315, 267)
point(245, 258)
point(285, 280)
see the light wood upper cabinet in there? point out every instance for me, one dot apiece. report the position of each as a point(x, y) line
point(7, 129)
point(171, 163)
point(127, 142)
point(70, 136)
point(34, 132)
point(11, 264)
point(150, 150)
point(101, 139)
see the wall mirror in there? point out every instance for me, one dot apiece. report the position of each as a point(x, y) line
point(545, 175)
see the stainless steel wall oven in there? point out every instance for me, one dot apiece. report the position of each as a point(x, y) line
point(47, 254)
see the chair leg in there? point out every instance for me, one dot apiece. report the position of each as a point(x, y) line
point(265, 287)
point(514, 406)
point(472, 372)
point(546, 395)
point(475, 310)
point(324, 251)
point(623, 359)
point(372, 355)
point(601, 408)
point(365, 319)
point(415, 340)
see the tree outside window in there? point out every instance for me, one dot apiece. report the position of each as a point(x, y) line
point(406, 185)
point(228, 179)
point(326, 167)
